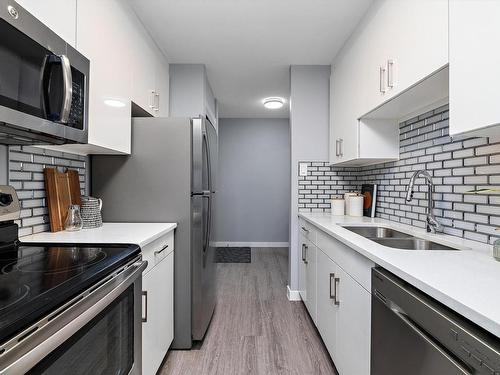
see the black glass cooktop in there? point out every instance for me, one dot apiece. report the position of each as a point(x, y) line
point(37, 278)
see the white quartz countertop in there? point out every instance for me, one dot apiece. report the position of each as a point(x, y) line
point(467, 281)
point(128, 233)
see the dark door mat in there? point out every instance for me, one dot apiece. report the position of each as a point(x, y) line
point(233, 255)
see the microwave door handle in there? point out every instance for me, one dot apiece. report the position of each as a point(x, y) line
point(67, 89)
point(44, 86)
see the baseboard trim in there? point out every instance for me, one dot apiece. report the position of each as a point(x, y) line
point(292, 295)
point(250, 244)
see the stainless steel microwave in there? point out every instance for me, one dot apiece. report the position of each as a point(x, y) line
point(43, 82)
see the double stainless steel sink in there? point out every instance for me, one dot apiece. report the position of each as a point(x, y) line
point(395, 239)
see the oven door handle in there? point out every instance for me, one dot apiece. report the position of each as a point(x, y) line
point(54, 332)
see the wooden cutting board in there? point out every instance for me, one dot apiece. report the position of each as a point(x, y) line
point(63, 190)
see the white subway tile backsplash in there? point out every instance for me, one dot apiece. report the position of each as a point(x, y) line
point(457, 167)
point(26, 166)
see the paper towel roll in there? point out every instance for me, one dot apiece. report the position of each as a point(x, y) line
point(356, 206)
point(338, 206)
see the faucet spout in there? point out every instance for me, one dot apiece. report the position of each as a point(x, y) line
point(432, 225)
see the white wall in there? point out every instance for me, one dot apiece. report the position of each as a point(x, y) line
point(253, 190)
point(309, 131)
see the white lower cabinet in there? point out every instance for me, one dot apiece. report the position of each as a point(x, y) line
point(157, 313)
point(327, 308)
point(353, 336)
point(340, 306)
point(307, 275)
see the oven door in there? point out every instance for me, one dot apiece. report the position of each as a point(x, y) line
point(99, 332)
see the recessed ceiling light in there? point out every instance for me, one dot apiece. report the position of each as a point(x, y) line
point(274, 103)
point(114, 103)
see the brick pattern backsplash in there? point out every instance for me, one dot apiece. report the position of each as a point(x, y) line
point(456, 166)
point(323, 183)
point(26, 166)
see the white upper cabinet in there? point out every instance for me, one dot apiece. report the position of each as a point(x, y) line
point(144, 72)
point(150, 75)
point(105, 29)
point(162, 87)
point(58, 15)
point(474, 67)
point(403, 42)
point(397, 45)
point(125, 66)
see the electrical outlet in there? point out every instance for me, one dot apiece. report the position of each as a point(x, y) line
point(303, 169)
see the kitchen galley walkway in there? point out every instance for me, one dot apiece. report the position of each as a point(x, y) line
point(255, 329)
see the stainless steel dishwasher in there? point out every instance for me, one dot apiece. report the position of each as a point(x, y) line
point(412, 334)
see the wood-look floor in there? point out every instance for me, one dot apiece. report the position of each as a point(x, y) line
point(255, 329)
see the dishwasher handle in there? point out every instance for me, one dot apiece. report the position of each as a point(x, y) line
point(429, 339)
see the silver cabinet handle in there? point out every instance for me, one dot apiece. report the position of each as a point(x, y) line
point(336, 282)
point(160, 251)
point(390, 74)
point(145, 295)
point(305, 254)
point(305, 229)
point(337, 152)
point(157, 102)
point(382, 79)
point(152, 99)
point(332, 279)
point(341, 148)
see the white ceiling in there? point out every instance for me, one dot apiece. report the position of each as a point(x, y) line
point(248, 45)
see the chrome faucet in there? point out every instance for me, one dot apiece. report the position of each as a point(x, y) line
point(432, 224)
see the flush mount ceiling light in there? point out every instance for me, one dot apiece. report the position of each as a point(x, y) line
point(273, 103)
point(114, 103)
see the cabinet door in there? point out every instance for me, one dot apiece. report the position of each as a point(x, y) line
point(344, 129)
point(58, 15)
point(311, 270)
point(327, 309)
point(162, 86)
point(157, 331)
point(302, 268)
point(144, 65)
point(418, 34)
point(474, 66)
point(353, 326)
point(397, 44)
point(110, 79)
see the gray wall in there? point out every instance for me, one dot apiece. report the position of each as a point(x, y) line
point(253, 200)
point(309, 129)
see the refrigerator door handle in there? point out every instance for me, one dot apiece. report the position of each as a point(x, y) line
point(203, 193)
point(209, 173)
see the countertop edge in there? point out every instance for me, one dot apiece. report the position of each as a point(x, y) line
point(464, 310)
point(47, 237)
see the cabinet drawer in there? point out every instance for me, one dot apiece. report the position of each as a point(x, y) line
point(355, 264)
point(307, 230)
point(157, 250)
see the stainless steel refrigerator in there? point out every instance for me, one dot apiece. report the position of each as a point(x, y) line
point(170, 177)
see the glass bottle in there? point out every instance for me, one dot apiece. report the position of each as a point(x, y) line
point(496, 249)
point(73, 220)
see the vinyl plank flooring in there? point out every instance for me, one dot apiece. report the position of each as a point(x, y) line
point(255, 329)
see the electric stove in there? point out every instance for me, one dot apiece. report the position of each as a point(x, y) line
point(43, 287)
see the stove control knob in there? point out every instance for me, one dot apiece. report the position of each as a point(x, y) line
point(5, 199)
